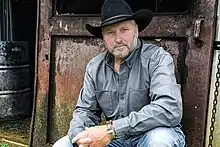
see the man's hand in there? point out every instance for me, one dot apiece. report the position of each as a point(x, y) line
point(96, 136)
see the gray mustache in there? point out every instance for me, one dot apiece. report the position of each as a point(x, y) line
point(120, 45)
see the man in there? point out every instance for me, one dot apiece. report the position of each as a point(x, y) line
point(132, 84)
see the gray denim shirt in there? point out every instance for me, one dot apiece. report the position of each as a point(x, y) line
point(142, 96)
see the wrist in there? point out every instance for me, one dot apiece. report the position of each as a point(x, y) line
point(110, 130)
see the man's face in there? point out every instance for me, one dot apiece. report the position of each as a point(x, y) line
point(121, 38)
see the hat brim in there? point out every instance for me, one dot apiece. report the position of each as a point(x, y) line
point(142, 18)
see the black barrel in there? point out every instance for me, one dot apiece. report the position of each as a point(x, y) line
point(15, 92)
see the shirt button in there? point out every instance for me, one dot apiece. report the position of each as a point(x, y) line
point(122, 98)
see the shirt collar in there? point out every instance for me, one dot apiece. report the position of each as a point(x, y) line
point(109, 59)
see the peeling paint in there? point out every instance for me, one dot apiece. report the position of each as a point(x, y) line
point(66, 28)
point(60, 24)
point(70, 55)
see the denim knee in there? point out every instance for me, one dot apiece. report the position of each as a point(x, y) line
point(162, 137)
point(63, 142)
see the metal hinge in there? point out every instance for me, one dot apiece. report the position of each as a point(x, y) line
point(197, 26)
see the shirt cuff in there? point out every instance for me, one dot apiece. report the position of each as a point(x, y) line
point(121, 127)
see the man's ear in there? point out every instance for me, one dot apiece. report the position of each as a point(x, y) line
point(137, 32)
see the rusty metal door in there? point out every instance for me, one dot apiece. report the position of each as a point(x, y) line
point(64, 47)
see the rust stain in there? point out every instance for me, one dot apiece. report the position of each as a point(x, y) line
point(71, 58)
point(72, 55)
point(198, 62)
point(42, 56)
point(171, 26)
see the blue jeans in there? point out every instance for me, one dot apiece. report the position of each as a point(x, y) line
point(159, 137)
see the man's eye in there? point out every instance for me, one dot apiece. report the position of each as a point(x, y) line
point(124, 30)
point(110, 33)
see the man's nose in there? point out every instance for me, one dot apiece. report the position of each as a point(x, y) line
point(118, 38)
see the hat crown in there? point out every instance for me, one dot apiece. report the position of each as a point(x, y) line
point(114, 8)
point(114, 11)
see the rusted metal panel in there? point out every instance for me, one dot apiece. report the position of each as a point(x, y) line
point(196, 93)
point(166, 26)
point(198, 62)
point(70, 57)
point(42, 76)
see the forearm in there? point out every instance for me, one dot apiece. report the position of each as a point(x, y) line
point(82, 118)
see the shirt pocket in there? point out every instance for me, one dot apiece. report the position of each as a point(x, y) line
point(105, 101)
point(138, 98)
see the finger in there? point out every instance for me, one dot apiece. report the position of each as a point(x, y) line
point(74, 140)
point(79, 136)
point(85, 140)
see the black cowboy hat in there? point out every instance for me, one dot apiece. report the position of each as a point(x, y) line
point(114, 11)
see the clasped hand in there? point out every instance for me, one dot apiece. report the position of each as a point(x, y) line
point(96, 136)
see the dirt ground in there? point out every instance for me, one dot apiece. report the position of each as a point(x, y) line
point(14, 133)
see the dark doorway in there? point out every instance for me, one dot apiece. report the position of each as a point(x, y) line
point(24, 16)
point(24, 28)
point(94, 7)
